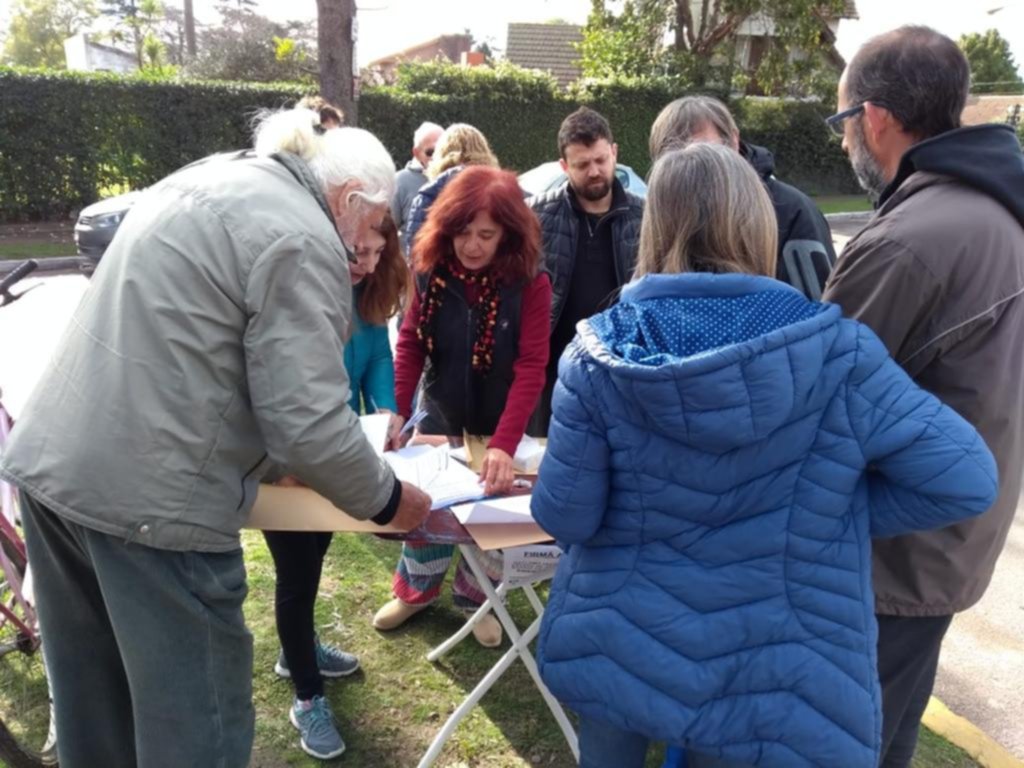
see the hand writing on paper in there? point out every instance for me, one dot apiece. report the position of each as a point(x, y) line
point(396, 437)
point(413, 508)
point(496, 472)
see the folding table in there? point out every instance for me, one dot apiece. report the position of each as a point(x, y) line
point(280, 508)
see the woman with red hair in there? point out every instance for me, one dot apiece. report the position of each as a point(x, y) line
point(479, 323)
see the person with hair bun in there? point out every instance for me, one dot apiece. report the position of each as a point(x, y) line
point(477, 331)
point(209, 347)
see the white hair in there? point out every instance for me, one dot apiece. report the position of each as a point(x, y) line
point(423, 131)
point(336, 157)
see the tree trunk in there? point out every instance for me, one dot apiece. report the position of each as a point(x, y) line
point(335, 22)
point(190, 30)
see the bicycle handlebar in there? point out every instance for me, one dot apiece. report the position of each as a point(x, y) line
point(22, 270)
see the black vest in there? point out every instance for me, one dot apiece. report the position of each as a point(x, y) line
point(455, 396)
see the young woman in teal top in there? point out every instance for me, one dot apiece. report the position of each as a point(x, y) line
point(377, 291)
point(380, 280)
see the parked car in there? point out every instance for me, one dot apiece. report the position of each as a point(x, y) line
point(550, 175)
point(97, 224)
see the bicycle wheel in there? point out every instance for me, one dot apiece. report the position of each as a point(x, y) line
point(26, 735)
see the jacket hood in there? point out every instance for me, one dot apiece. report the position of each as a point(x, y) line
point(685, 346)
point(986, 157)
point(761, 158)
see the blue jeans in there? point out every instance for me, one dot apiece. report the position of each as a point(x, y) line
point(147, 652)
point(604, 746)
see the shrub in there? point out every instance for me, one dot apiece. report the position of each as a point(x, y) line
point(65, 137)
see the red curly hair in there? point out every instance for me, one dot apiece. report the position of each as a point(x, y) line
point(480, 188)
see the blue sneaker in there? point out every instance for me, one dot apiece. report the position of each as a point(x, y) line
point(331, 661)
point(319, 735)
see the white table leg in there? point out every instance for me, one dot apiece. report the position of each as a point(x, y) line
point(465, 629)
point(468, 703)
point(520, 647)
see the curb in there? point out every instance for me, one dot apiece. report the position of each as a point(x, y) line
point(50, 265)
point(969, 737)
point(856, 216)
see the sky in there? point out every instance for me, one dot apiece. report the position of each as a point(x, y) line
point(389, 26)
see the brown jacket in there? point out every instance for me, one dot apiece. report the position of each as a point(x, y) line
point(938, 274)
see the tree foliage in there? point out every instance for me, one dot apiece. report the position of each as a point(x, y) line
point(249, 47)
point(39, 28)
point(993, 69)
point(695, 41)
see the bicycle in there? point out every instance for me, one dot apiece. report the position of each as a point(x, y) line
point(27, 733)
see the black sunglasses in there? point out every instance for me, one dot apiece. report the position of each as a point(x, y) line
point(835, 123)
point(429, 152)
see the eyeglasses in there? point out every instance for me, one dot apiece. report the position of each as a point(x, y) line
point(835, 123)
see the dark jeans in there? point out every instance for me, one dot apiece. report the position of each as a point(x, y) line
point(298, 560)
point(908, 657)
point(149, 659)
point(604, 746)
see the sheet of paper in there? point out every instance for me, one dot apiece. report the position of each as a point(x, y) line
point(527, 565)
point(509, 509)
point(375, 427)
point(432, 469)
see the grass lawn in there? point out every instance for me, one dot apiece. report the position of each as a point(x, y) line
point(842, 203)
point(391, 709)
point(35, 250)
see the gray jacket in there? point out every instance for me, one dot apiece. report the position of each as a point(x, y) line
point(938, 274)
point(407, 183)
point(208, 346)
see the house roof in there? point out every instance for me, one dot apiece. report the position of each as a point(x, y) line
point(548, 47)
point(440, 45)
point(989, 109)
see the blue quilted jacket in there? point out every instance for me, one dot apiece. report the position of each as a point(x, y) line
point(721, 453)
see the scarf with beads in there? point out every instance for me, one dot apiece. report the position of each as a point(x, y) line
point(486, 304)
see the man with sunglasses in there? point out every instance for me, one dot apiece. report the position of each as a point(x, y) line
point(409, 180)
point(938, 274)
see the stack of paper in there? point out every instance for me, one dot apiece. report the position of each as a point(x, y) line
point(431, 469)
point(526, 461)
point(529, 454)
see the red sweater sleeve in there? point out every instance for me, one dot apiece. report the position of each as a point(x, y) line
point(410, 358)
point(530, 368)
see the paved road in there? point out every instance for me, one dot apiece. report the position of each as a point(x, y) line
point(981, 674)
point(981, 671)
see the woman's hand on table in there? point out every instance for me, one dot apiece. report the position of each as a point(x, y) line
point(496, 472)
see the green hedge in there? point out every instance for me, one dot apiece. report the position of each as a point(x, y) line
point(65, 138)
point(68, 139)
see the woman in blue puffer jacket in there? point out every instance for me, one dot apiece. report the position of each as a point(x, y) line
point(722, 452)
